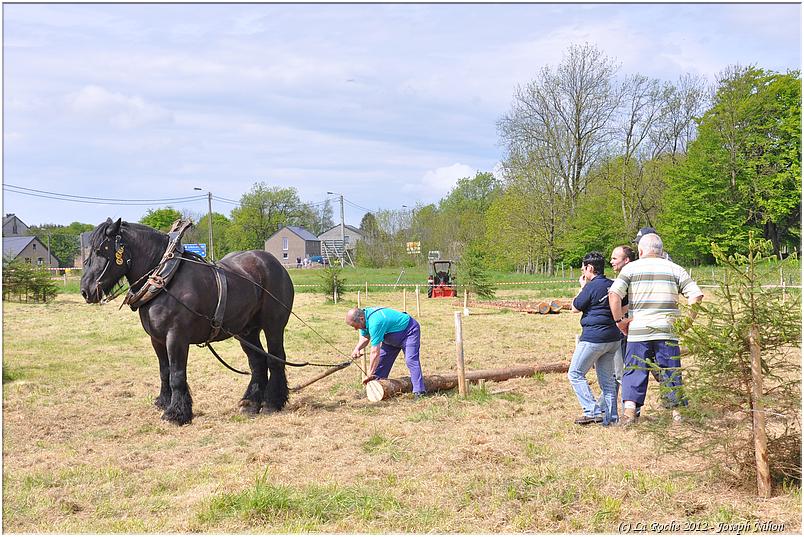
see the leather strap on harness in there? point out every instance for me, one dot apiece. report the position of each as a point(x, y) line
point(217, 321)
point(164, 271)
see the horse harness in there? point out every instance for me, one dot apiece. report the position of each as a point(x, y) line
point(164, 272)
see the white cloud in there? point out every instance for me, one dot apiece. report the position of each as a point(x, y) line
point(122, 111)
point(434, 184)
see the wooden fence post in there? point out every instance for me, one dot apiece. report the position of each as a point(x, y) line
point(418, 311)
point(459, 354)
point(335, 290)
point(758, 413)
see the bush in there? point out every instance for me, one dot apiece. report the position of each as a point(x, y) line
point(719, 383)
point(331, 280)
point(25, 283)
point(472, 273)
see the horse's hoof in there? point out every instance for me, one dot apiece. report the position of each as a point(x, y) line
point(248, 406)
point(267, 409)
point(176, 419)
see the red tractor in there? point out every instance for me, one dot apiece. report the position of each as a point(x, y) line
point(440, 282)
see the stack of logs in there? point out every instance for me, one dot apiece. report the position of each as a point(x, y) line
point(543, 307)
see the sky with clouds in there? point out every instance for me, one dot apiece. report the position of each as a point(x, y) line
point(388, 104)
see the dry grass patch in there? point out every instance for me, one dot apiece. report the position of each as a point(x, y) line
point(85, 450)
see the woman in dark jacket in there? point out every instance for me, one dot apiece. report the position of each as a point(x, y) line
point(599, 341)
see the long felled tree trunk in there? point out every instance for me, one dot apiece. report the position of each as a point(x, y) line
point(380, 389)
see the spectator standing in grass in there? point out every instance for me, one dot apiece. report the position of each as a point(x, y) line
point(652, 284)
point(597, 345)
point(620, 256)
point(388, 331)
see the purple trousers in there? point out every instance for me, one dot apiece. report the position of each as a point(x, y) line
point(408, 341)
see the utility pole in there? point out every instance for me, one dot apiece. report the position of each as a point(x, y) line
point(343, 232)
point(211, 250)
point(209, 221)
point(343, 239)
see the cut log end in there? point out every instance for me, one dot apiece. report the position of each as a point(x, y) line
point(374, 391)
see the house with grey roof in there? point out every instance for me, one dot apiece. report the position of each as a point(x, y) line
point(291, 244)
point(14, 227)
point(29, 249)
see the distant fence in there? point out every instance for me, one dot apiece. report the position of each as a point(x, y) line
point(364, 285)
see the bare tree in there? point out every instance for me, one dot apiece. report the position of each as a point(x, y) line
point(683, 103)
point(563, 117)
point(638, 143)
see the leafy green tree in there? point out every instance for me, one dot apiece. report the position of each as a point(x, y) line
point(160, 219)
point(262, 212)
point(525, 224)
point(200, 233)
point(743, 172)
point(461, 212)
point(368, 225)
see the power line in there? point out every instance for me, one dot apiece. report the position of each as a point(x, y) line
point(353, 204)
point(68, 197)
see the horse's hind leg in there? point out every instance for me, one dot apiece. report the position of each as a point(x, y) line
point(253, 398)
point(276, 392)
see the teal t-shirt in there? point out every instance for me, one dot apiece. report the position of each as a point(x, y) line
point(381, 321)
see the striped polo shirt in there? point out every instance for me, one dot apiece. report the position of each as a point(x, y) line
point(652, 285)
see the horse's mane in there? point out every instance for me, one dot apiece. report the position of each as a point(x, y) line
point(100, 232)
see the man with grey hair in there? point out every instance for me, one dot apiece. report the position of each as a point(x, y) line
point(652, 284)
point(389, 331)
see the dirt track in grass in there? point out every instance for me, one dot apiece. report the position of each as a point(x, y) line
point(84, 449)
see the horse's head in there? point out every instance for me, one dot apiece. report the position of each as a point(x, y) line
point(107, 263)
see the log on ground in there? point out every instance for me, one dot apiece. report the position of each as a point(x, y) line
point(381, 389)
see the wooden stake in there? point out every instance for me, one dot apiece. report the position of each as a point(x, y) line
point(335, 290)
point(459, 355)
point(418, 311)
point(382, 389)
point(758, 412)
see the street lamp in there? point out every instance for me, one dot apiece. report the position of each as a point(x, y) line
point(343, 234)
point(211, 253)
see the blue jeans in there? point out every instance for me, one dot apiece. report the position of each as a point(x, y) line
point(600, 355)
point(638, 364)
point(618, 374)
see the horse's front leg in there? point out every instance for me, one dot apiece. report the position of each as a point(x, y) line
point(180, 409)
point(163, 399)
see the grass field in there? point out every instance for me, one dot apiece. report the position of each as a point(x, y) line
point(85, 451)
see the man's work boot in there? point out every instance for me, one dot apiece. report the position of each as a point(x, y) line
point(629, 417)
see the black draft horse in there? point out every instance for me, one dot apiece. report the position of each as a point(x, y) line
point(121, 249)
